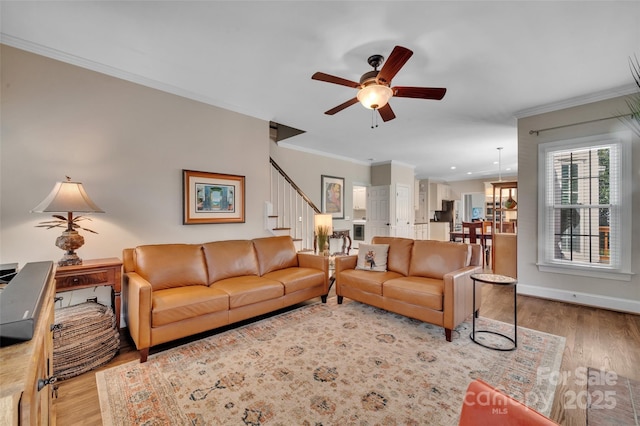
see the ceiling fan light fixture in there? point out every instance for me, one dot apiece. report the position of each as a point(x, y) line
point(374, 96)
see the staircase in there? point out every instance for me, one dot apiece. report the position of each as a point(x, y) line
point(290, 211)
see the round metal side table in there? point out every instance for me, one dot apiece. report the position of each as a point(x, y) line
point(495, 280)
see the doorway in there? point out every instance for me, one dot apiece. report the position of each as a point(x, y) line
point(473, 206)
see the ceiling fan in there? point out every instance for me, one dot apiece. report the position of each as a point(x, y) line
point(374, 86)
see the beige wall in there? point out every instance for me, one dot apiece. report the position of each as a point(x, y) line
point(128, 144)
point(624, 295)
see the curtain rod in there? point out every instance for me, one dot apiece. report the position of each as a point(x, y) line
point(537, 132)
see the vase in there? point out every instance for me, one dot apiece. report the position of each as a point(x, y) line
point(510, 203)
point(322, 245)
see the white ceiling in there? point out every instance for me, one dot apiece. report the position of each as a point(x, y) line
point(497, 59)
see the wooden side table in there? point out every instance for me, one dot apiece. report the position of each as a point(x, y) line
point(92, 273)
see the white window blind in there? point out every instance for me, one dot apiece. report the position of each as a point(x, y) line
point(582, 211)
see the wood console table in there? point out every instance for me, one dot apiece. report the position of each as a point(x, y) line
point(92, 273)
point(340, 233)
point(344, 234)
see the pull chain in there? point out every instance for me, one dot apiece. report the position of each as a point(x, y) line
point(374, 117)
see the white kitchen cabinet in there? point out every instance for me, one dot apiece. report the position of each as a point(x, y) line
point(437, 193)
point(359, 198)
point(421, 231)
point(422, 211)
point(439, 231)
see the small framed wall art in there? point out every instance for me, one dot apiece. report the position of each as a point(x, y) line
point(212, 198)
point(333, 196)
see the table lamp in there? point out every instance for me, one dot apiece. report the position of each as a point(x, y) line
point(68, 197)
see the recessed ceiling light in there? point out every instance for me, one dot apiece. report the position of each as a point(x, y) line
point(453, 167)
point(468, 173)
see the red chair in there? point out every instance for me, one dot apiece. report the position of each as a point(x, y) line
point(485, 405)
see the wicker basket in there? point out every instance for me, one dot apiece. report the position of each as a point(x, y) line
point(84, 337)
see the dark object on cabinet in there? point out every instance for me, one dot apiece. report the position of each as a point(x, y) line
point(21, 302)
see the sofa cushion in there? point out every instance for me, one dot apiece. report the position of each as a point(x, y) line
point(434, 259)
point(368, 281)
point(372, 257)
point(250, 289)
point(399, 253)
point(275, 253)
point(427, 292)
point(227, 259)
point(176, 304)
point(171, 265)
point(295, 279)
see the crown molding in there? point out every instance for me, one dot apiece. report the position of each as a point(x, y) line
point(78, 61)
point(323, 154)
point(577, 101)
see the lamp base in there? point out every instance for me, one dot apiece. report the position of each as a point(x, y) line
point(70, 241)
point(70, 259)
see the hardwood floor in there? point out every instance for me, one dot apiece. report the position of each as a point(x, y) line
point(594, 338)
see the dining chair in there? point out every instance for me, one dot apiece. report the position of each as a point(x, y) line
point(487, 231)
point(472, 231)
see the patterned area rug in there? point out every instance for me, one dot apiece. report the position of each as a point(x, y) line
point(326, 364)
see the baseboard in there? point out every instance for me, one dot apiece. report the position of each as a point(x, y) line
point(588, 299)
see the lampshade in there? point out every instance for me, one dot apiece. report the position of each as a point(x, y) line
point(374, 96)
point(324, 220)
point(67, 197)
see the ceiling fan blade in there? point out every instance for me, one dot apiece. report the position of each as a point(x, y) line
point(336, 80)
point(386, 113)
point(436, 93)
point(398, 57)
point(342, 106)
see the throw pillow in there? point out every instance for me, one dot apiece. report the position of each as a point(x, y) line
point(373, 257)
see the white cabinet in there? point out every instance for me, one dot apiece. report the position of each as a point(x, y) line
point(439, 231)
point(359, 198)
point(421, 231)
point(437, 193)
point(422, 210)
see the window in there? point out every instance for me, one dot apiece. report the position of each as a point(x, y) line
point(584, 207)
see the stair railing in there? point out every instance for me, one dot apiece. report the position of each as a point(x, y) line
point(290, 211)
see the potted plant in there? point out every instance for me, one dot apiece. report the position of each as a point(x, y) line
point(322, 232)
point(632, 120)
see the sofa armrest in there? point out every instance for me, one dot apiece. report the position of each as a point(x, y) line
point(316, 261)
point(458, 295)
point(313, 261)
point(345, 262)
point(138, 313)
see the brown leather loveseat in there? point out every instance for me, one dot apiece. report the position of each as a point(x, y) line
point(177, 290)
point(425, 279)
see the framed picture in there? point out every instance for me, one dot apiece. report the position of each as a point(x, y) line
point(212, 198)
point(333, 196)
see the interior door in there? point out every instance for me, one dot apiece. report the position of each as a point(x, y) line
point(377, 212)
point(403, 210)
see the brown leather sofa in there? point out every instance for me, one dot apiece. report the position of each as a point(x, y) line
point(177, 290)
point(425, 279)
